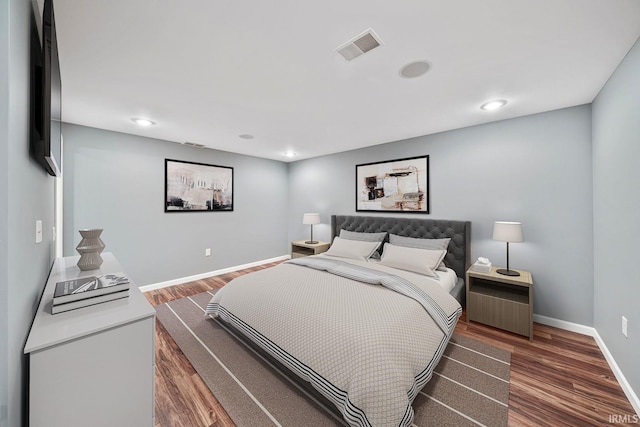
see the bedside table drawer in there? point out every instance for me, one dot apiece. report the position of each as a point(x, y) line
point(509, 315)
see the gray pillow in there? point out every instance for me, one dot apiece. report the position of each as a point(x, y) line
point(365, 237)
point(412, 242)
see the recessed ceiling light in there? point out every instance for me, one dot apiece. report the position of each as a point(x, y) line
point(245, 136)
point(142, 122)
point(493, 105)
point(415, 69)
point(289, 154)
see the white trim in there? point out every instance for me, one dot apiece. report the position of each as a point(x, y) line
point(160, 285)
point(563, 324)
point(593, 332)
point(58, 218)
point(626, 387)
point(59, 207)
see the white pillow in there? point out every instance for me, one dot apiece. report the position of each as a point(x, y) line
point(412, 242)
point(352, 249)
point(367, 237)
point(422, 261)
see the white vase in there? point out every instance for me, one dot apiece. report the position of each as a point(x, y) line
point(89, 249)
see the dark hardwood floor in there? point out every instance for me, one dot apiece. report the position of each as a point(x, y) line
point(559, 379)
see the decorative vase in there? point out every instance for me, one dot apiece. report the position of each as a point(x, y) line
point(90, 248)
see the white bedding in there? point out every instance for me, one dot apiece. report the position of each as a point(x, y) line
point(447, 278)
point(368, 346)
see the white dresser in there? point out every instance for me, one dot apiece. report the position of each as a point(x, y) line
point(93, 366)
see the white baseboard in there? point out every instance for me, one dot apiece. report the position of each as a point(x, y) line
point(181, 280)
point(593, 332)
point(563, 324)
point(626, 387)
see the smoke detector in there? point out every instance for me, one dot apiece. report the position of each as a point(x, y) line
point(361, 44)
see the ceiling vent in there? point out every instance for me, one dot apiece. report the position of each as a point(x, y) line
point(193, 144)
point(360, 45)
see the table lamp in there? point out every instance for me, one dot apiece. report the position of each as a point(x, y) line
point(310, 219)
point(510, 232)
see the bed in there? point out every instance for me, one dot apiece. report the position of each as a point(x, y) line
point(362, 332)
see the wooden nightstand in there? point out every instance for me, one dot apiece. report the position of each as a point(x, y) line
point(504, 302)
point(299, 248)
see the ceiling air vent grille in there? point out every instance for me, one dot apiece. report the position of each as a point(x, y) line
point(360, 45)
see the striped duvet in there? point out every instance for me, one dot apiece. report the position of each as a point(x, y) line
point(365, 336)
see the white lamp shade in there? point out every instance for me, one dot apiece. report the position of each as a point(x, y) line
point(511, 232)
point(311, 218)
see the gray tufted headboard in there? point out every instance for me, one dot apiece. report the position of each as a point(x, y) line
point(458, 256)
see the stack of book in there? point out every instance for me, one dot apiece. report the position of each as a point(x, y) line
point(86, 291)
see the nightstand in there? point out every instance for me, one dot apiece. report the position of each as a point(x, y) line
point(299, 248)
point(504, 302)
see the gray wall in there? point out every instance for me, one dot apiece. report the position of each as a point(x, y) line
point(27, 192)
point(4, 210)
point(115, 181)
point(534, 169)
point(616, 200)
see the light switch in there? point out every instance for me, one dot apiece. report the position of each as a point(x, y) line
point(38, 231)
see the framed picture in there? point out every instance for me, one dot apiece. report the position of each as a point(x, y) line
point(197, 187)
point(393, 186)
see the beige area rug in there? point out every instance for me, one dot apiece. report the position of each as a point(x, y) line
point(470, 385)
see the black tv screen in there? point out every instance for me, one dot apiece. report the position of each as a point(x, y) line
point(47, 137)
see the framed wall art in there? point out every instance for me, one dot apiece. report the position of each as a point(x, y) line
point(197, 187)
point(400, 185)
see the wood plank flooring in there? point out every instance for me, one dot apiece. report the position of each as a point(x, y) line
point(559, 379)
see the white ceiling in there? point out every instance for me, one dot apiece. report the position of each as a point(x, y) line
point(207, 71)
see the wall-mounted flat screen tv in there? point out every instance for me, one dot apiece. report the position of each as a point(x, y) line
point(47, 87)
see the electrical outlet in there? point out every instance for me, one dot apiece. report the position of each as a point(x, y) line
point(207, 252)
point(53, 233)
point(624, 327)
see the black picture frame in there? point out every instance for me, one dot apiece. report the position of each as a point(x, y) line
point(197, 187)
point(400, 185)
